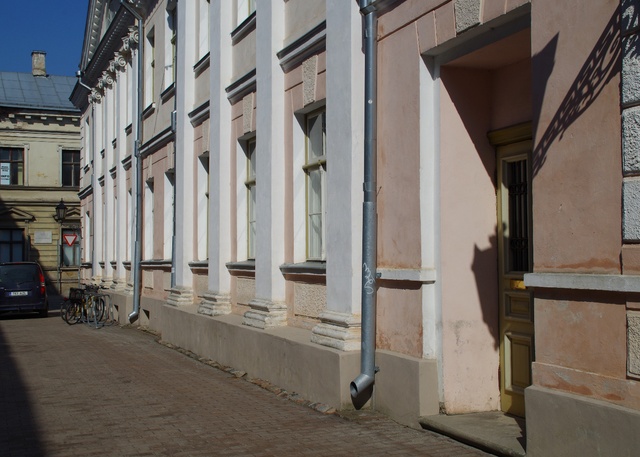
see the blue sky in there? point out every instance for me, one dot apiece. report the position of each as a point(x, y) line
point(53, 26)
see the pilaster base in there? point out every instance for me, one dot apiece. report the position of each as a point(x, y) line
point(128, 289)
point(264, 314)
point(119, 285)
point(338, 330)
point(180, 296)
point(215, 304)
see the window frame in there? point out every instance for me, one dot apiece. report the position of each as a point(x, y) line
point(16, 166)
point(244, 9)
point(11, 243)
point(150, 64)
point(315, 242)
point(171, 50)
point(75, 167)
point(250, 183)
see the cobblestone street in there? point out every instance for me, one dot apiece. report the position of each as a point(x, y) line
point(76, 391)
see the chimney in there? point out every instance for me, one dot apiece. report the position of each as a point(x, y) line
point(38, 66)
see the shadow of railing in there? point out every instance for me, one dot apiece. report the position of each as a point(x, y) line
point(602, 64)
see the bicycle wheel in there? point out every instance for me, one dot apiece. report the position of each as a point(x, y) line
point(72, 313)
point(99, 305)
point(63, 310)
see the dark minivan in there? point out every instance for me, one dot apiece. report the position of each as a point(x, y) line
point(22, 288)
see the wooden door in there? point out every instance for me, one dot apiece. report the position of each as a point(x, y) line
point(514, 248)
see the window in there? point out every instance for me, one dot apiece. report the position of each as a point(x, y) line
point(251, 199)
point(316, 169)
point(168, 200)
point(11, 245)
point(244, 8)
point(148, 221)
point(170, 47)
point(150, 65)
point(203, 28)
point(70, 168)
point(70, 254)
point(202, 218)
point(11, 166)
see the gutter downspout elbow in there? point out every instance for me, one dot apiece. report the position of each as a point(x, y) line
point(362, 386)
point(137, 250)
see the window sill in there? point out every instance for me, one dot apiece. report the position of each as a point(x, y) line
point(148, 111)
point(248, 266)
point(201, 65)
point(244, 28)
point(199, 265)
point(156, 263)
point(168, 93)
point(309, 268)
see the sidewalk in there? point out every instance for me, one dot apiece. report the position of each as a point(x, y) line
point(76, 391)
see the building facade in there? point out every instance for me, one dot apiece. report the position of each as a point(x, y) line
point(222, 199)
point(40, 160)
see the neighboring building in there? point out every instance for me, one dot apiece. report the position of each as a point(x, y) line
point(40, 166)
point(507, 214)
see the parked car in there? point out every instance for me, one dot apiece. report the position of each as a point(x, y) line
point(22, 288)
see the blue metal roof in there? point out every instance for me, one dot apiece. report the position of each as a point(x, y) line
point(23, 90)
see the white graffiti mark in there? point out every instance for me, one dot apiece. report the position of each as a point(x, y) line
point(369, 280)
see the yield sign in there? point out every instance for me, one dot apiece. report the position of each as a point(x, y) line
point(70, 239)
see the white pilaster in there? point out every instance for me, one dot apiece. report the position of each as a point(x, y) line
point(185, 171)
point(269, 309)
point(109, 212)
point(217, 299)
point(345, 152)
point(97, 209)
point(119, 274)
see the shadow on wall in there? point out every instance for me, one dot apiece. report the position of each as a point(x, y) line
point(600, 67)
point(19, 432)
point(32, 254)
point(487, 283)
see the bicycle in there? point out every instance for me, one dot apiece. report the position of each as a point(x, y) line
point(88, 305)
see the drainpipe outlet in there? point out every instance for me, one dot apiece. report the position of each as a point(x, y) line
point(361, 389)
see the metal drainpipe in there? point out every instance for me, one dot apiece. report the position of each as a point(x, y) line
point(137, 252)
point(362, 386)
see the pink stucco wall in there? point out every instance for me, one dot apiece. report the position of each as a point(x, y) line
point(498, 98)
point(577, 168)
point(468, 243)
point(399, 318)
point(581, 342)
point(475, 98)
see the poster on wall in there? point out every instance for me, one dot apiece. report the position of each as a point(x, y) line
point(5, 173)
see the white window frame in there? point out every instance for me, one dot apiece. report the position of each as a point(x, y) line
point(244, 9)
point(168, 202)
point(149, 67)
point(315, 167)
point(129, 254)
point(250, 183)
point(148, 220)
point(203, 28)
point(170, 47)
point(202, 209)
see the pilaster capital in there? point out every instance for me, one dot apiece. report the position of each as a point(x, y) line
point(134, 36)
point(120, 61)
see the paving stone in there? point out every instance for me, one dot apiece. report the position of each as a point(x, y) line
point(76, 391)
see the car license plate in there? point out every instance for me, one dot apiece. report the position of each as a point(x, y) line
point(21, 293)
